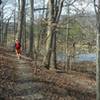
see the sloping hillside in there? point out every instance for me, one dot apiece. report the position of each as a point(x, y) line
point(24, 80)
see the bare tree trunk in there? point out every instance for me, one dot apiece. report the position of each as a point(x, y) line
point(14, 26)
point(31, 37)
point(25, 33)
point(55, 9)
point(53, 56)
point(19, 6)
point(6, 33)
point(47, 57)
point(97, 10)
point(15, 23)
point(37, 45)
point(98, 65)
point(20, 19)
point(1, 25)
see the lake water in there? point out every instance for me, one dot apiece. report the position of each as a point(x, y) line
point(80, 57)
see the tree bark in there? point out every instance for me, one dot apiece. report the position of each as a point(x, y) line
point(31, 37)
point(98, 51)
point(55, 9)
point(47, 57)
point(21, 19)
point(53, 56)
point(1, 24)
point(6, 32)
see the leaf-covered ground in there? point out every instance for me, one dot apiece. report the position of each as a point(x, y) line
point(6, 75)
point(24, 80)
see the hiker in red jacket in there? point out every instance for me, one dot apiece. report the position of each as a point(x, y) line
point(18, 48)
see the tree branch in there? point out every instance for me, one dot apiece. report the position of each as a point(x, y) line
point(71, 2)
point(59, 10)
point(95, 6)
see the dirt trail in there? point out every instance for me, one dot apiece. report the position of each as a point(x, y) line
point(25, 88)
point(44, 84)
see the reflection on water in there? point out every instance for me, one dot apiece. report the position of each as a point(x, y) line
point(80, 57)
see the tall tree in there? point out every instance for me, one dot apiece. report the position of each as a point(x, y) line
point(31, 37)
point(54, 12)
point(21, 18)
point(6, 31)
point(97, 10)
point(1, 23)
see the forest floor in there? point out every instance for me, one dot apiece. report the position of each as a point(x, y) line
point(24, 80)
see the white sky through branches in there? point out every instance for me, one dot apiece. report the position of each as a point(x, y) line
point(81, 6)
